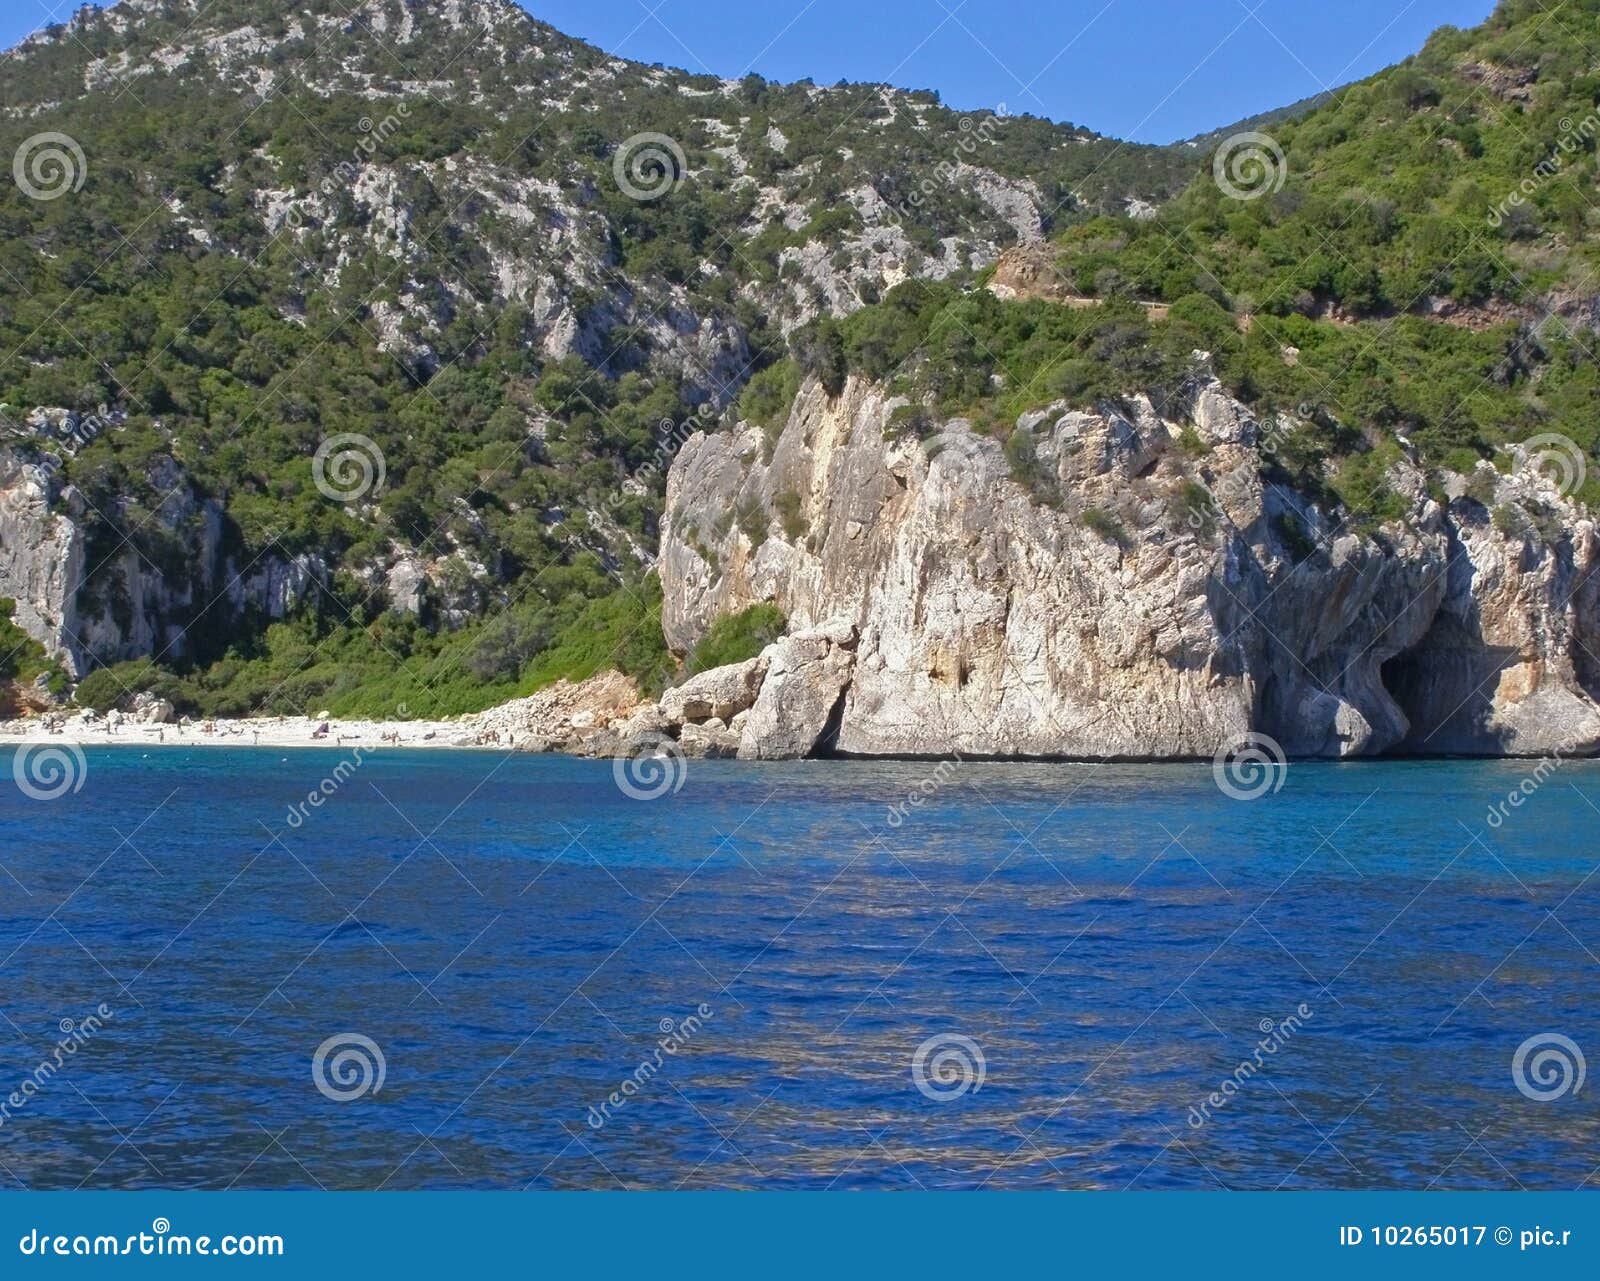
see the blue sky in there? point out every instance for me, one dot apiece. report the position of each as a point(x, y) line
point(1152, 70)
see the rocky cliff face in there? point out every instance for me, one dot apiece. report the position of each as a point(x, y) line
point(482, 202)
point(1099, 590)
point(41, 553)
point(147, 586)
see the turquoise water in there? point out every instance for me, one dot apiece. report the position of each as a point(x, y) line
point(513, 934)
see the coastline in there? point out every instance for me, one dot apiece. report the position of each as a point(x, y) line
point(564, 716)
point(273, 732)
point(470, 733)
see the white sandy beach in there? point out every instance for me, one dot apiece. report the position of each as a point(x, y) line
point(275, 732)
point(559, 717)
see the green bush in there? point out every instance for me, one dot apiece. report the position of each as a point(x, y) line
point(1104, 524)
point(1196, 507)
point(622, 630)
point(787, 505)
point(735, 638)
point(109, 687)
point(22, 659)
point(767, 398)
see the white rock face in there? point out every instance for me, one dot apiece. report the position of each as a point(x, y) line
point(806, 676)
point(1112, 598)
point(123, 604)
point(722, 693)
point(41, 556)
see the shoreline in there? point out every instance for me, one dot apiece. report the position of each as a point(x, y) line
point(270, 732)
point(469, 734)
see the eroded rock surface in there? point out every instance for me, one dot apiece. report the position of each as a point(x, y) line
point(1103, 592)
point(802, 694)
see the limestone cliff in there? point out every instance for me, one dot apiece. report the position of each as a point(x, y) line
point(1102, 588)
point(99, 585)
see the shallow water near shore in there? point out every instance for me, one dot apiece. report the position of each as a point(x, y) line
point(1082, 954)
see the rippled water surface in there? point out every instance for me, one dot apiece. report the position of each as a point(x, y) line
point(513, 933)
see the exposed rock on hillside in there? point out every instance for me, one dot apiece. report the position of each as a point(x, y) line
point(531, 261)
point(137, 593)
point(1115, 598)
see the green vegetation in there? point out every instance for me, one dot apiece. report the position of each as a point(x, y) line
point(1455, 394)
point(767, 397)
point(1395, 289)
point(734, 638)
point(22, 659)
point(1451, 175)
point(787, 505)
point(233, 347)
point(394, 666)
point(1195, 506)
point(1457, 180)
point(1103, 524)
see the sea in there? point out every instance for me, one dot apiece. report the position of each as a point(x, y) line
point(328, 968)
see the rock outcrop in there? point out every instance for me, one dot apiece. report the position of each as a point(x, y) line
point(1095, 589)
point(41, 552)
point(802, 694)
point(1030, 270)
point(720, 694)
point(157, 580)
point(583, 717)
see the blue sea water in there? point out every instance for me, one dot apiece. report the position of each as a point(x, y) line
point(1032, 977)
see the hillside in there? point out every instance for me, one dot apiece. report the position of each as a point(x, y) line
point(1412, 266)
point(1305, 462)
point(351, 373)
point(512, 266)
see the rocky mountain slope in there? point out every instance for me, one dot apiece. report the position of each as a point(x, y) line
point(439, 359)
point(513, 266)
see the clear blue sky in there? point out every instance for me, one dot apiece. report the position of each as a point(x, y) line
point(1152, 70)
